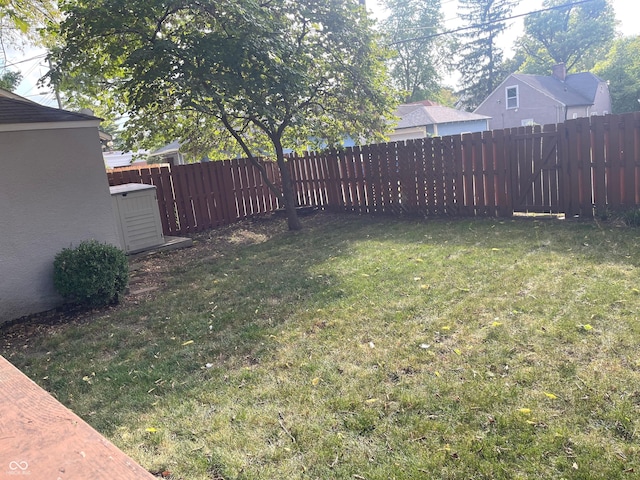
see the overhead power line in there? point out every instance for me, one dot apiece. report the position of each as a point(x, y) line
point(42, 55)
point(479, 25)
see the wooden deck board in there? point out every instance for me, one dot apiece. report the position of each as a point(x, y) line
point(42, 439)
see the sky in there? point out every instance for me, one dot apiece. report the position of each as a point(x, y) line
point(32, 64)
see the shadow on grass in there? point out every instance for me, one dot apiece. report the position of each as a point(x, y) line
point(218, 318)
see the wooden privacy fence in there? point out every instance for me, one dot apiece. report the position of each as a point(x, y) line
point(200, 196)
point(581, 167)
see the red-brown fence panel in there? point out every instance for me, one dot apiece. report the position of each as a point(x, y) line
point(613, 163)
point(581, 166)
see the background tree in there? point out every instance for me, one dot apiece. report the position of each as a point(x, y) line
point(419, 58)
point(278, 74)
point(480, 66)
point(23, 19)
point(9, 80)
point(622, 69)
point(577, 35)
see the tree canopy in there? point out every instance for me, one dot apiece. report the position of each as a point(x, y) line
point(480, 65)
point(267, 75)
point(420, 58)
point(9, 80)
point(578, 35)
point(621, 69)
point(22, 19)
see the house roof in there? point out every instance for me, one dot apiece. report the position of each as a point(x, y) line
point(9, 94)
point(418, 115)
point(577, 89)
point(119, 158)
point(17, 111)
point(168, 149)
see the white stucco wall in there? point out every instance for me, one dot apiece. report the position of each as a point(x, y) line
point(54, 194)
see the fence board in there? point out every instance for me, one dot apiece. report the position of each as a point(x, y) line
point(586, 180)
point(449, 170)
point(598, 167)
point(489, 168)
point(433, 175)
point(613, 171)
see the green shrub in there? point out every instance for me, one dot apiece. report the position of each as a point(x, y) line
point(91, 274)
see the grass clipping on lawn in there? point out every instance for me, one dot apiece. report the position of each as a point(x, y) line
point(371, 348)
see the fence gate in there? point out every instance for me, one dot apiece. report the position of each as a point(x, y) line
point(536, 170)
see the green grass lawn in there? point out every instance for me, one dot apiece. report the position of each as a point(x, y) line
point(368, 348)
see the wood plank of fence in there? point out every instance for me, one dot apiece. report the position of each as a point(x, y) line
point(350, 185)
point(478, 173)
point(208, 172)
point(598, 165)
point(468, 203)
point(501, 175)
point(393, 179)
point(371, 172)
point(166, 201)
point(572, 151)
point(613, 170)
point(366, 154)
point(424, 158)
point(226, 188)
point(381, 160)
point(586, 179)
point(629, 161)
point(198, 195)
point(449, 169)
point(525, 163)
point(345, 196)
point(458, 162)
point(537, 181)
point(408, 200)
point(435, 170)
point(334, 183)
point(253, 190)
point(304, 181)
point(551, 172)
point(239, 186)
point(184, 202)
point(488, 162)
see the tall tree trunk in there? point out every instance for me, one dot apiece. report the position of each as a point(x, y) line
point(287, 190)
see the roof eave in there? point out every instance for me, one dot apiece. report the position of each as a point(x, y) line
point(16, 127)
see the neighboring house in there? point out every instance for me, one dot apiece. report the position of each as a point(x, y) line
point(427, 119)
point(54, 194)
point(117, 158)
point(170, 154)
point(523, 100)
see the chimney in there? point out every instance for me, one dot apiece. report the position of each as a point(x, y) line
point(559, 71)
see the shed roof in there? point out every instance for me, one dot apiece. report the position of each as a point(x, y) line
point(168, 149)
point(15, 111)
point(417, 115)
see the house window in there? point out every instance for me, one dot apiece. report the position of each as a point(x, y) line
point(527, 122)
point(512, 97)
